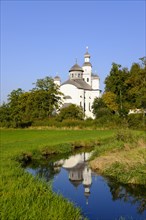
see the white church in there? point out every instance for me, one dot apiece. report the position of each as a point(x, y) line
point(82, 87)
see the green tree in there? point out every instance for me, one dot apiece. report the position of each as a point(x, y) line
point(115, 83)
point(39, 103)
point(71, 112)
point(5, 116)
point(109, 99)
point(15, 106)
point(136, 84)
point(100, 109)
point(44, 98)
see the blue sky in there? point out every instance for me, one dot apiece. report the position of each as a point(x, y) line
point(43, 38)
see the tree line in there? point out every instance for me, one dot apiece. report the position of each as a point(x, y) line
point(124, 90)
point(24, 107)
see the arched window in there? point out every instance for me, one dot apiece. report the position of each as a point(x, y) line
point(87, 79)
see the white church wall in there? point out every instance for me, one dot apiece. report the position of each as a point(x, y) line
point(75, 94)
point(57, 82)
point(96, 94)
point(88, 103)
point(76, 75)
point(95, 83)
point(87, 74)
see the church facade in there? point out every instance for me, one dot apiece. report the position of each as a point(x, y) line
point(82, 87)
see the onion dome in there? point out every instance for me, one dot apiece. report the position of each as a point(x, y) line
point(56, 78)
point(87, 58)
point(87, 55)
point(95, 76)
point(76, 67)
point(87, 64)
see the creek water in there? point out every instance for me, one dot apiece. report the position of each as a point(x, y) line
point(98, 197)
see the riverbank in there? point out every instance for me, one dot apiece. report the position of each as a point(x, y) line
point(124, 159)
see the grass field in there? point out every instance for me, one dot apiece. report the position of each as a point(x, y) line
point(24, 197)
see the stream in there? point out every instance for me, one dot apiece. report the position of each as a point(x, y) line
point(99, 198)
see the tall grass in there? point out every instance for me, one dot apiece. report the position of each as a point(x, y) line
point(124, 158)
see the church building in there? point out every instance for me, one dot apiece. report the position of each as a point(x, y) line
point(82, 87)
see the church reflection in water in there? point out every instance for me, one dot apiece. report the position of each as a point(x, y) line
point(67, 175)
point(78, 171)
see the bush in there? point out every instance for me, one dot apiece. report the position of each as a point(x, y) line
point(71, 112)
point(125, 136)
point(137, 121)
point(44, 122)
point(101, 112)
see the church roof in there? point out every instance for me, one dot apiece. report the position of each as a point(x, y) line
point(87, 64)
point(75, 183)
point(76, 67)
point(67, 97)
point(87, 54)
point(94, 76)
point(79, 83)
point(76, 167)
point(65, 105)
point(56, 78)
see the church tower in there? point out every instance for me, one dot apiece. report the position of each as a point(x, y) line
point(87, 67)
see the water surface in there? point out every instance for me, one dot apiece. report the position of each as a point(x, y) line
point(98, 197)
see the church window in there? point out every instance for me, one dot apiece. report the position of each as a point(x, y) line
point(89, 107)
point(80, 103)
point(78, 74)
point(87, 79)
point(72, 75)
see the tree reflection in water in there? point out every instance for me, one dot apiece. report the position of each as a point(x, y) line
point(134, 194)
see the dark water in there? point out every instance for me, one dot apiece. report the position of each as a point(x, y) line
point(98, 197)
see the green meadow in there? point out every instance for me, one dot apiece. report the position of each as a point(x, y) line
point(24, 196)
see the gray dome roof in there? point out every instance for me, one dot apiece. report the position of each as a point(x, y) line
point(56, 78)
point(95, 76)
point(76, 67)
point(87, 54)
point(79, 83)
point(87, 64)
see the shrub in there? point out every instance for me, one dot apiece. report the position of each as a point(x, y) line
point(71, 112)
point(137, 121)
point(125, 136)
